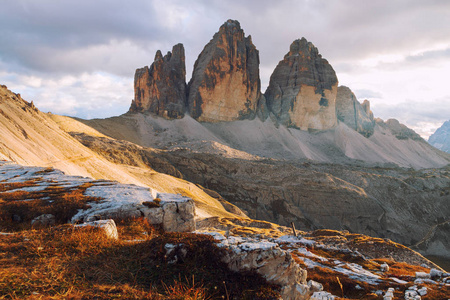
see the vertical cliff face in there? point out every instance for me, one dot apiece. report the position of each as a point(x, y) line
point(161, 89)
point(302, 89)
point(225, 84)
point(351, 112)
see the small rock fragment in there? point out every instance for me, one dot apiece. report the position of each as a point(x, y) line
point(44, 220)
point(108, 226)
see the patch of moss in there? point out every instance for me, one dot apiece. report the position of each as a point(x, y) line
point(152, 204)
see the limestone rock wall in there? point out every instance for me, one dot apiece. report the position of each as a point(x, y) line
point(225, 84)
point(351, 112)
point(302, 89)
point(161, 89)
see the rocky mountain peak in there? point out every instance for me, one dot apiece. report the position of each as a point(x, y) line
point(302, 46)
point(161, 89)
point(158, 55)
point(302, 89)
point(441, 137)
point(225, 84)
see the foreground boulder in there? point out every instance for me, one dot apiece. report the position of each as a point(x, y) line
point(175, 213)
point(161, 89)
point(270, 261)
point(302, 89)
point(107, 226)
point(352, 113)
point(225, 84)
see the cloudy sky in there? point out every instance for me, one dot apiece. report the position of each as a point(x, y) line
point(78, 58)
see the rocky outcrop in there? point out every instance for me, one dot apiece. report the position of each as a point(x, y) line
point(441, 138)
point(269, 260)
point(107, 226)
point(175, 213)
point(104, 200)
point(225, 84)
point(399, 130)
point(44, 220)
point(302, 89)
point(178, 213)
point(351, 112)
point(161, 89)
point(436, 242)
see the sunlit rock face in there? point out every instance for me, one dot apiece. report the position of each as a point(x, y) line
point(352, 113)
point(161, 89)
point(225, 84)
point(302, 89)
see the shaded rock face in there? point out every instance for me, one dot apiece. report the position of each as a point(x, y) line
point(351, 112)
point(161, 89)
point(436, 242)
point(441, 138)
point(225, 84)
point(270, 261)
point(302, 89)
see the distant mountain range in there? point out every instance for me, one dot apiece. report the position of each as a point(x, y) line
point(441, 137)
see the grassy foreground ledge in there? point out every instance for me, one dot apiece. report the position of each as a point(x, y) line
point(60, 262)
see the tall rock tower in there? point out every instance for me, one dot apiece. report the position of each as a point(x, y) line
point(356, 115)
point(225, 84)
point(161, 89)
point(302, 89)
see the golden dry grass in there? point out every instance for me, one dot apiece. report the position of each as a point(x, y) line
point(63, 262)
point(19, 208)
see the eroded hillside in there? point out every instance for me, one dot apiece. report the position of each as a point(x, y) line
point(389, 202)
point(30, 137)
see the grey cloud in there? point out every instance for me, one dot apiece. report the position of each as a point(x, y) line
point(36, 31)
point(429, 56)
point(362, 94)
point(38, 34)
point(413, 112)
point(50, 39)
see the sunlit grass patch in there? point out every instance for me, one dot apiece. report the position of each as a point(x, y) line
point(401, 269)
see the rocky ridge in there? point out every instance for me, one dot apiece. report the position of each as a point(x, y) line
point(364, 199)
point(225, 86)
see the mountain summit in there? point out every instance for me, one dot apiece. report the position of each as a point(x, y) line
point(302, 89)
point(225, 84)
point(441, 137)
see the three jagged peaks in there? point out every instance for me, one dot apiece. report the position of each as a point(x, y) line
point(225, 86)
